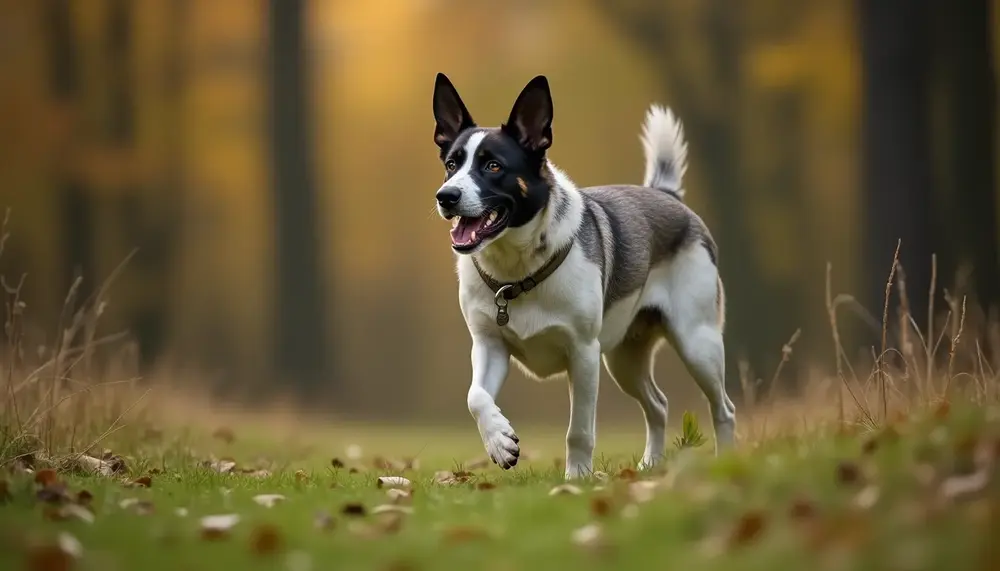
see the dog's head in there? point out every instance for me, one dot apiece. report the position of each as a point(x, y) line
point(494, 177)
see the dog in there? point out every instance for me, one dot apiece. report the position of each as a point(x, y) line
point(556, 277)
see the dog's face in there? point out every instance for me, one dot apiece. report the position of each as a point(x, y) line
point(494, 177)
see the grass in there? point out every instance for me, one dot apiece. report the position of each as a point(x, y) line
point(907, 497)
point(893, 470)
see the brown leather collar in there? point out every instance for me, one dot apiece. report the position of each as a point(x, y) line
point(505, 292)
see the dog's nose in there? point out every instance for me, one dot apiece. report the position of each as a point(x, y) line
point(448, 196)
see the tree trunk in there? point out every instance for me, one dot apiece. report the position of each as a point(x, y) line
point(896, 170)
point(300, 341)
point(969, 75)
point(76, 210)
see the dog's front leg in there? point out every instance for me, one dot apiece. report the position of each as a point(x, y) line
point(584, 375)
point(490, 363)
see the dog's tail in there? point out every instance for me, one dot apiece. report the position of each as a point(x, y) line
point(666, 151)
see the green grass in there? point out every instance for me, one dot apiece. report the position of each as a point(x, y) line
point(854, 500)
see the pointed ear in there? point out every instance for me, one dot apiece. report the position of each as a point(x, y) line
point(530, 121)
point(450, 113)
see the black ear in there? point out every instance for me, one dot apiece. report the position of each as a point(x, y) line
point(449, 112)
point(530, 121)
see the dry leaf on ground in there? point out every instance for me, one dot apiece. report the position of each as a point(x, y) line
point(265, 539)
point(392, 508)
point(590, 536)
point(46, 477)
point(143, 482)
point(218, 526)
point(565, 489)
point(268, 500)
point(392, 482)
point(749, 527)
point(398, 496)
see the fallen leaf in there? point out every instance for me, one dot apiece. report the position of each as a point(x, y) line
point(83, 497)
point(265, 540)
point(958, 488)
point(259, 474)
point(104, 466)
point(590, 536)
point(601, 476)
point(449, 478)
point(143, 482)
point(748, 528)
point(126, 503)
point(47, 477)
point(218, 526)
point(867, 497)
point(53, 494)
point(224, 434)
point(222, 466)
point(392, 508)
point(397, 495)
point(268, 500)
point(337, 463)
point(848, 473)
point(565, 489)
point(600, 506)
point(353, 509)
point(70, 545)
point(484, 486)
point(392, 482)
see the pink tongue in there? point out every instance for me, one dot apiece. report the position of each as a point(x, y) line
point(462, 234)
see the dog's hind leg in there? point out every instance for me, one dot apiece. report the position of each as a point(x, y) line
point(630, 365)
point(694, 322)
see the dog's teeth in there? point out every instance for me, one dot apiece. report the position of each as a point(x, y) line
point(455, 221)
point(473, 236)
point(493, 217)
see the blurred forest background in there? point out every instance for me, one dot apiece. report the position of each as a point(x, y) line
point(272, 166)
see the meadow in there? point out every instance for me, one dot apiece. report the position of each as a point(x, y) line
point(894, 469)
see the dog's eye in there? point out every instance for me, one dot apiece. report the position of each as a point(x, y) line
point(450, 164)
point(492, 166)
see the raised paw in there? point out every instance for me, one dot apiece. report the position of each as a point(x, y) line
point(501, 442)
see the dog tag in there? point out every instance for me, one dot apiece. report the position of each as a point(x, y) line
point(502, 316)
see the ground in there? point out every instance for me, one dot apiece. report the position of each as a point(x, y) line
point(917, 493)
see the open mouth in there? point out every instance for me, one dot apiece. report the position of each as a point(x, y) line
point(467, 232)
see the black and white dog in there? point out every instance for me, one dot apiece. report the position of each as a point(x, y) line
point(555, 276)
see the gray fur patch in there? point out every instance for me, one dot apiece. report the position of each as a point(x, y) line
point(645, 226)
